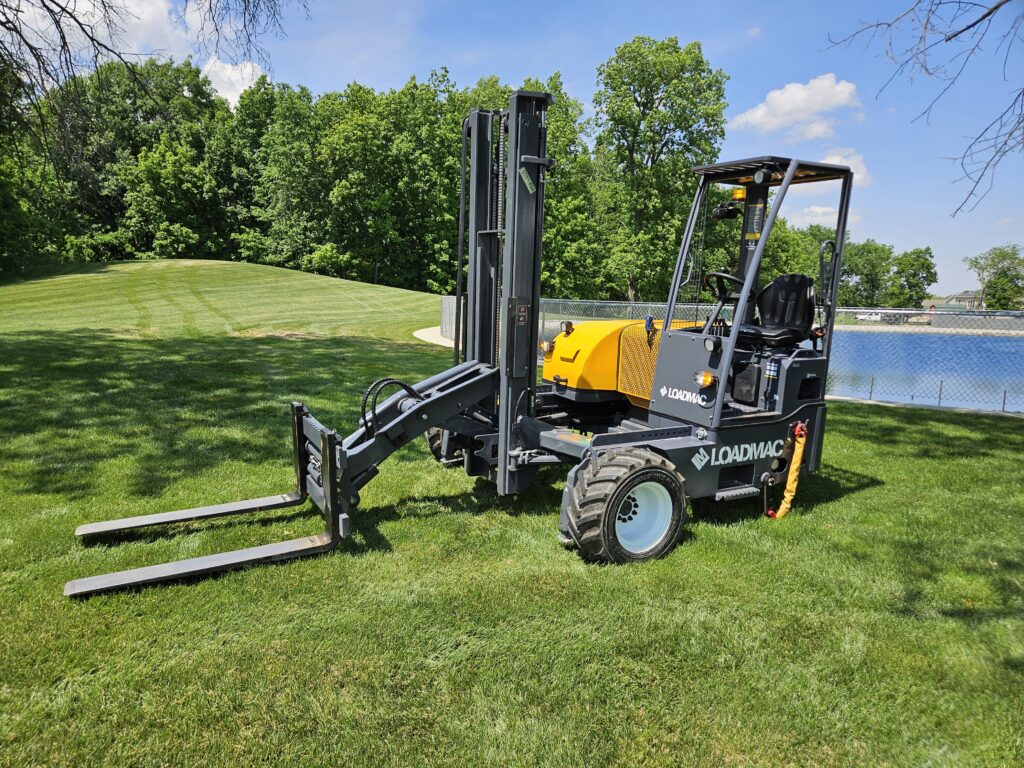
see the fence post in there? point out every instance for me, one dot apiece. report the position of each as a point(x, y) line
point(1004, 401)
point(940, 391)
point(871, 390)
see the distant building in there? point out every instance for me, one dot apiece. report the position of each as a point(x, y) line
point(956, 302)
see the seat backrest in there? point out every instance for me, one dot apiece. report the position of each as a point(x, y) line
point(787, 302)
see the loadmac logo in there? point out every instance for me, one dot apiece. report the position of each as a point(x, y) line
point(683, 395)
point(732, 454)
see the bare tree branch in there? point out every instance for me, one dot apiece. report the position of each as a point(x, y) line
point(48, 44)
point(939, 39)
point(977, 21)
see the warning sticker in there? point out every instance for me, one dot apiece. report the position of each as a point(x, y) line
point(755, 220)
point(527, 180)
point(522, 314)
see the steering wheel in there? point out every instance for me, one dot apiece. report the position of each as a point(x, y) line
point(718, 287)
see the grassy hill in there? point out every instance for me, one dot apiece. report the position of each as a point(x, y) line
point(882, 622)
point(190, 297)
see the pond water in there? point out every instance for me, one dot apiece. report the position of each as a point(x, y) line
point(966, 371)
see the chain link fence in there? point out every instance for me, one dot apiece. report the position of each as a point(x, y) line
point(964, 359)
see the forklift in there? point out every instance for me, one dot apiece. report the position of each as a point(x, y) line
point(726, 403)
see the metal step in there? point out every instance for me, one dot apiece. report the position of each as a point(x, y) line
point(739, 492)
point(628, 425)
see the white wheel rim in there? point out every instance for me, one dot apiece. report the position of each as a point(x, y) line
point(643, 517)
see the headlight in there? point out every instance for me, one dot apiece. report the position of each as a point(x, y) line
point(704, 378)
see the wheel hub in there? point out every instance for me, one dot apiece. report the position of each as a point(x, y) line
point(644, 517)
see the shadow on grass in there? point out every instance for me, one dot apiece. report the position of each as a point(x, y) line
point(179, 405)
point(366, 521)
point(1000, 568)
point(928, 433)
point(830, 483)
point(51, 271)
point(73, 400)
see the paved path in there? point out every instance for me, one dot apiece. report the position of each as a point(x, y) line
point(433, 335)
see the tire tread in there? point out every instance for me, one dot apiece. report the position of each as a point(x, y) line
point(590, 492)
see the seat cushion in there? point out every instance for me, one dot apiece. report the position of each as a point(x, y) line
point(771, 337)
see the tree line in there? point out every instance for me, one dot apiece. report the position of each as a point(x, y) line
point(147, 161)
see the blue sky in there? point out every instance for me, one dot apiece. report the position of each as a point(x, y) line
point(907, 195)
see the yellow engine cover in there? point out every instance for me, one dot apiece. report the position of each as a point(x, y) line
point(609, 355)
point(587, 358)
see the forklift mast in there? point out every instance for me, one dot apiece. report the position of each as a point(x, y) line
point(501, 303)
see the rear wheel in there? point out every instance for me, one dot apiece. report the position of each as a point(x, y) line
point(624, 506)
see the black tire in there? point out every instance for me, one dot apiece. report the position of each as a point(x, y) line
point(433, 437)
point(600, 491)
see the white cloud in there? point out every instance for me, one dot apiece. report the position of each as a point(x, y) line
point(851, 157)
point(818, 214)
point(847, 156)
point(230, 80)
point(159, 28)
point(154, 27)
point(1005, 221)
point(800, 108)
point(754, 32)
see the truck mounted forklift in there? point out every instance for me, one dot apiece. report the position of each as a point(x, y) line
point(722, 400)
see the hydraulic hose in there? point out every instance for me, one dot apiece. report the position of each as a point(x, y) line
point(793, 478)
point(372, 395)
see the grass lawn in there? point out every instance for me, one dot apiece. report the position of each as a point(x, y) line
point(882, 622)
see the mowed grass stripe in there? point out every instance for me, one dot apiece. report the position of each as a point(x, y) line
point(882, 622)
point(163, 297)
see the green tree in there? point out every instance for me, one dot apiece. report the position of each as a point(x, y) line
point(913, 273)
point(235, 157)
point(109, 117)
point(866, 268)
point(660, 109)
point(172, 206)
point(1006, 289)
point(382, 180)
point(32, 209)
point(290, 193)
point(1005, 265)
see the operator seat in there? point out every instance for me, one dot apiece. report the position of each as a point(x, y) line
point(786, 309)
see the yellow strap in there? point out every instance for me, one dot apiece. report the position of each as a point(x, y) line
point(793, 478)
